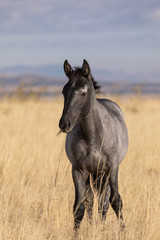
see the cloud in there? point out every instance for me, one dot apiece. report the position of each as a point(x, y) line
point(105, 29)
point(156, 14)
point(54, 16)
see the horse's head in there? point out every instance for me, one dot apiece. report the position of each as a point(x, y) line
point(77, 95)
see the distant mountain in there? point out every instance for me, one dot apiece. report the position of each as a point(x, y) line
point(12, 81)
point(52, 76)
point(28, 82)
point(55, 71)
point(102, 75)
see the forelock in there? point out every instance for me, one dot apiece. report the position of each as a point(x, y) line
point(77, 73)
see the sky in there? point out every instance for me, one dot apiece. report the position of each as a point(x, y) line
point(117, 35)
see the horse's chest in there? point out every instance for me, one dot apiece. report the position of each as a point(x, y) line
point(90, 158)
point(96, 161)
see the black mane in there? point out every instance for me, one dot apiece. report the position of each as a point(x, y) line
point(78, 73)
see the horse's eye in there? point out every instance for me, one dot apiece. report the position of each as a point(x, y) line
point(83, 93)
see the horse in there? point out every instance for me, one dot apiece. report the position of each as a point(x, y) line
point(96, 143)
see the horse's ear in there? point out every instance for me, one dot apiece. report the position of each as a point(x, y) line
point(67, 68)
point(85, 68)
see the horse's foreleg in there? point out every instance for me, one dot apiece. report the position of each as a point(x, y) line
point(79, 179)
point(88, 198)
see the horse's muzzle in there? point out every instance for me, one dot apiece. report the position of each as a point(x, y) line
point(64, 124)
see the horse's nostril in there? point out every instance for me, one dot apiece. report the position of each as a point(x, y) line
point(69, 124)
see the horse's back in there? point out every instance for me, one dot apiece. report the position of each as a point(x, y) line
point(111, 107)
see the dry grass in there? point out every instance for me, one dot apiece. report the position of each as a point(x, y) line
point(36, 189)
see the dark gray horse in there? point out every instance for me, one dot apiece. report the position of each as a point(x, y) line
point(96, 143)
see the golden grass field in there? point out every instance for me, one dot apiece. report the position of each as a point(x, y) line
point(36, 188)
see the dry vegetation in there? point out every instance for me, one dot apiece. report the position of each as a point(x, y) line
point(36, 189)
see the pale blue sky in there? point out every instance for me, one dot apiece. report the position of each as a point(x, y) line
point(121, 35)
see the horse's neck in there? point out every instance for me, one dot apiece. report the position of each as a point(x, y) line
point(91, 126)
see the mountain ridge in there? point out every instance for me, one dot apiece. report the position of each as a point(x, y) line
point(9, 83)
point(56, 71)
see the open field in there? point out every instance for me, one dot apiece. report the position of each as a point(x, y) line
point(36, 188)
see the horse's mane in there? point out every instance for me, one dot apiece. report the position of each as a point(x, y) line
point(78, 73)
